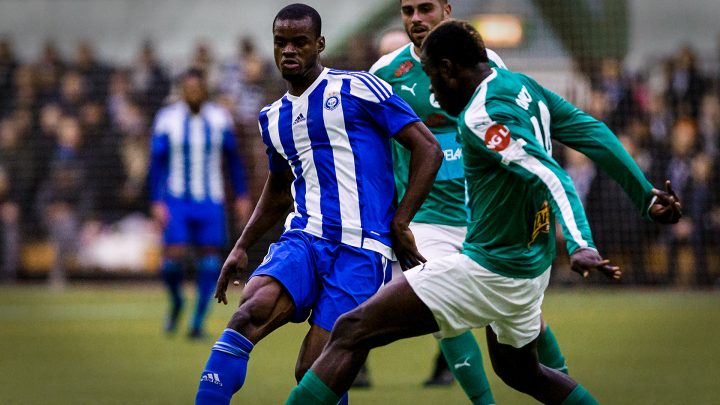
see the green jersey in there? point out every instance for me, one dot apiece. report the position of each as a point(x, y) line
point(516, 189)
point(445, 205)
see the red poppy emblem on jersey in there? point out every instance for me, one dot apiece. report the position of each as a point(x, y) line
point(497, 137)
point(404, 68)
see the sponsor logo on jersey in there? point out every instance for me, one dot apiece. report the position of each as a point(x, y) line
point(435, 120)
point(300, 118)
point(497, 137)
point(332, 102)
point(404, 68)
point(410, 89)
point(452, 154)
point(542, 222)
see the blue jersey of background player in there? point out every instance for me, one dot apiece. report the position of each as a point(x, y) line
point(328, 143)
point(192, 138)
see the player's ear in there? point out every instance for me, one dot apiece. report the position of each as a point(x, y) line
point(446, 68)
point(321, 43)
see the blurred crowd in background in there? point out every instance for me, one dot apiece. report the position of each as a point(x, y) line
point(74, 150)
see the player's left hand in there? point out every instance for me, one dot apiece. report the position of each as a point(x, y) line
point(585, 259)
point(404, 246)
point(667, 208)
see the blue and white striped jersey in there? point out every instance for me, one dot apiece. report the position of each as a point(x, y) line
point(188, 151)
point(335, 138)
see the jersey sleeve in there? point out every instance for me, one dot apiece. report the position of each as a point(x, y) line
point(386, 109)
point(159, 161)
point(234, 163)
point(276, 162)
point(580, 131)
point(515, 149)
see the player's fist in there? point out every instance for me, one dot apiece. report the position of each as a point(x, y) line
point(667, 208)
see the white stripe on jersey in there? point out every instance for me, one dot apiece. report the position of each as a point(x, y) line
point(301, 138)
point(196, 138)
point(344, 160)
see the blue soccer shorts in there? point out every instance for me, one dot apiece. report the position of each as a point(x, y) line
point(199, 224)
point(324, 278)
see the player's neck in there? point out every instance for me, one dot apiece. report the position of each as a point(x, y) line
point(297, 86)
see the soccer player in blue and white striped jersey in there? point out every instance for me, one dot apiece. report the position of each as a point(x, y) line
point(328, 145)
point(191, 140)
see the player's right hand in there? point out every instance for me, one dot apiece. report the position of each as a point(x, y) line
point(234, 266)
point(585, 259)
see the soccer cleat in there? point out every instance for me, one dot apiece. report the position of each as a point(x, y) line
point(197, 334)
point(171, 322)
point(441, 375)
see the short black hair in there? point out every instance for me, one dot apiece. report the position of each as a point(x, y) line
point(457, 41)
point(299, 11)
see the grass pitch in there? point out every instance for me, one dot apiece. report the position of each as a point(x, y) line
point(104, 345)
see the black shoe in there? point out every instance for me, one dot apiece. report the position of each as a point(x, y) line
point(442, 375)
point(171, 322)
point(197, 334)
point(362, 380)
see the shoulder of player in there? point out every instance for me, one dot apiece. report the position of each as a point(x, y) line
point(217, 113)
point(363, 84)
point(169, 113)
point(385, 66)
point(495, 58)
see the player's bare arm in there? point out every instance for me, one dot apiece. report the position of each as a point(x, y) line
point(272, 206)
point(425, 160)
point(667, 208)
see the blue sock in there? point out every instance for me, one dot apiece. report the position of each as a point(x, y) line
point(207, 275)
point(225, 370)
point(344, 400)
point(172, 275)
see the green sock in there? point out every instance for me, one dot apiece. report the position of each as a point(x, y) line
point(580, 396)
point(465, 361)
point(549, 351)
point(311, 390)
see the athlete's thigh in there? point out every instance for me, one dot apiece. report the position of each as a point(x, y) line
point(291, 264)
point(394, 313)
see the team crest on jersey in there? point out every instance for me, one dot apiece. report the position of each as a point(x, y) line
point(404, 68)
point(542, 222)
point(497, 137)
point(332, 102)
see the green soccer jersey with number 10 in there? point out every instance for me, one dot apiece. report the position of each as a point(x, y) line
point(516, 189)
point(445, 205)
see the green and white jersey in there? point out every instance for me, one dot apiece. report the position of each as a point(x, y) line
point(516, 189)
point(445, 205)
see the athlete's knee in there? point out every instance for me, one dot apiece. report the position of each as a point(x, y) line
point(350, 329)
point(263, 307)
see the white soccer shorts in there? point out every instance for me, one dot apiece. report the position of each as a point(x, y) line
point(435, 241)
point(463, 295)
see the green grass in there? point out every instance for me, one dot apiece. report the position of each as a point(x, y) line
point(102, 345)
